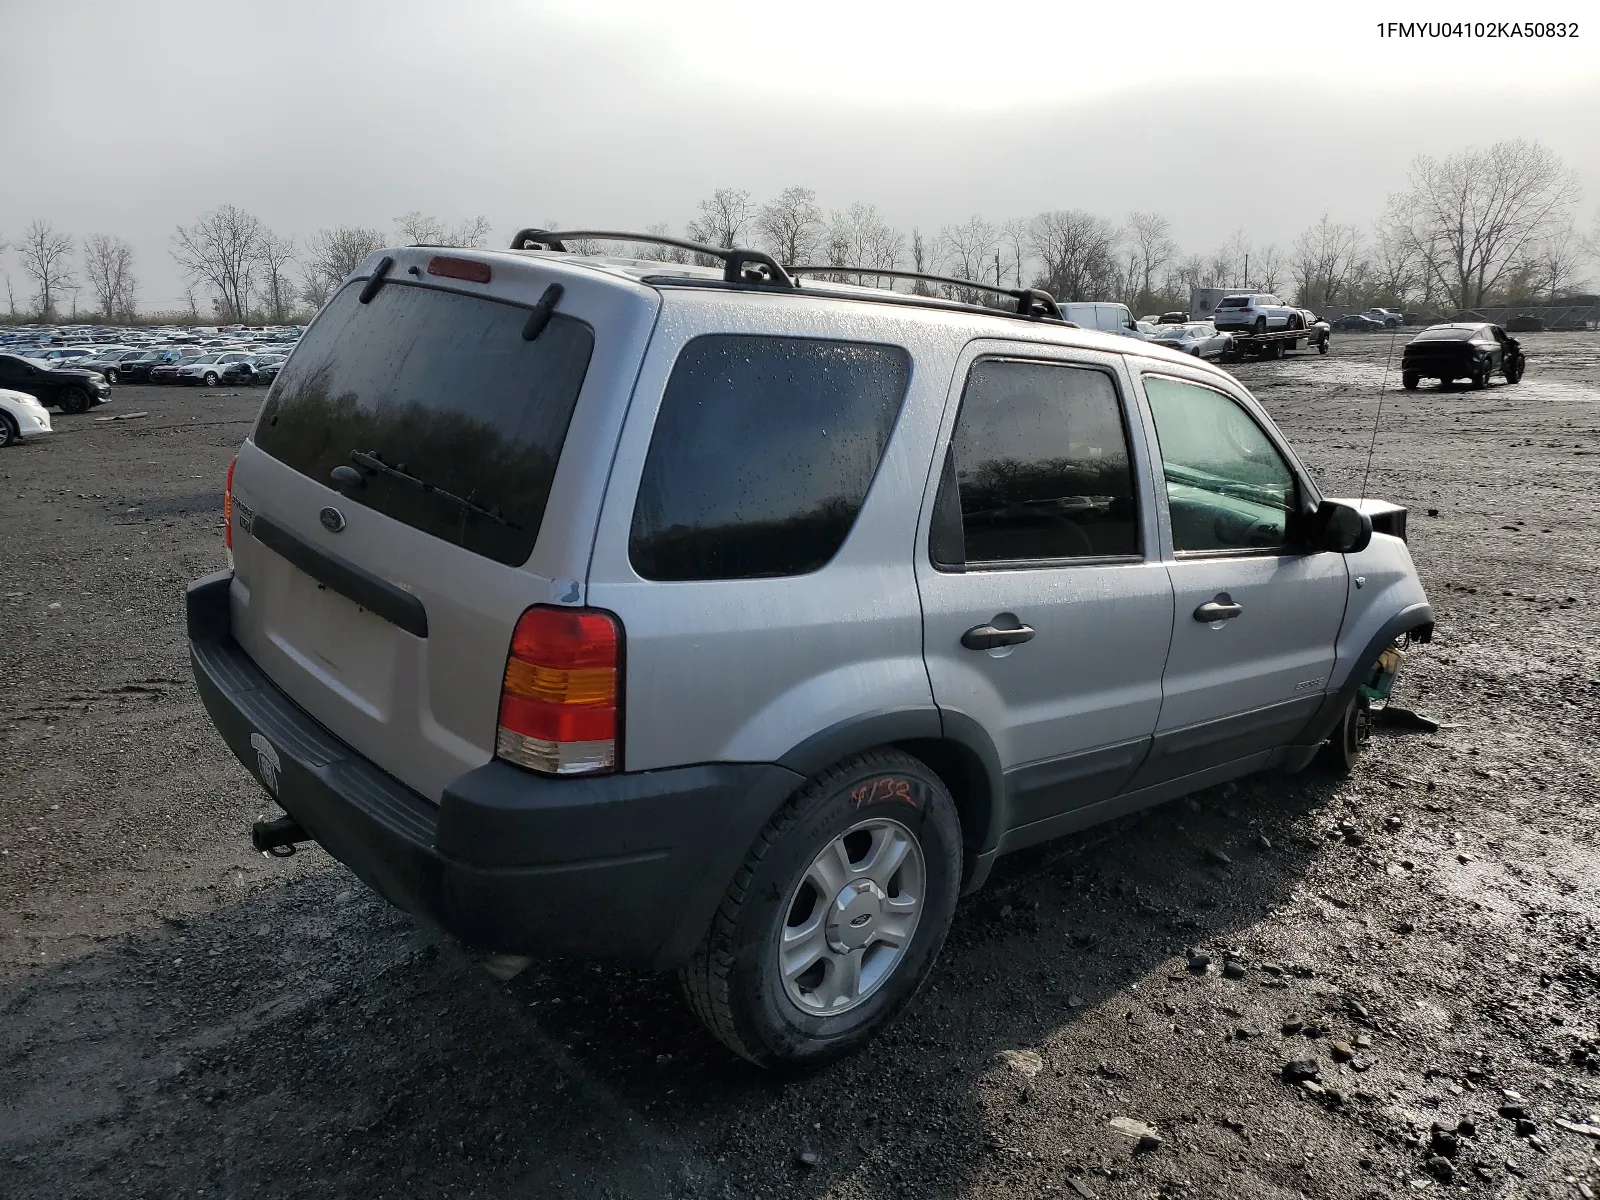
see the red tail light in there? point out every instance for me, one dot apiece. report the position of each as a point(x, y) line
point(227, 505)
point(559, 702)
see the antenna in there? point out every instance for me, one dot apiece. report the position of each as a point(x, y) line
point(1383, 386)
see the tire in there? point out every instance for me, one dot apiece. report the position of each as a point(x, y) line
point(1513, 371)
point(73, 400)
point(1261, 325)
point(1409, 380)
point(1322, 346)
point(210, 379)
point(1277, 350)
point(1480, 379)
point(865, 805)
point(111, 375)
point(9, 432)
point(1342, 750)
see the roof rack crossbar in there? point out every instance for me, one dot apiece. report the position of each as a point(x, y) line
point(1031, 302)
point(738, 265)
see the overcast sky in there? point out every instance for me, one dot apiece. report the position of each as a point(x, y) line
point(130, 117)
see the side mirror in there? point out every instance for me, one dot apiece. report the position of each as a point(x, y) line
point(1339, 528)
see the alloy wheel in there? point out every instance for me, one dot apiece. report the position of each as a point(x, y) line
point(851, 917)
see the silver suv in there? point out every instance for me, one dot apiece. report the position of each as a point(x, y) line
point(700, 620)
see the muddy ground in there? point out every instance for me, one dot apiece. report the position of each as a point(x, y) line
point(181, 1017)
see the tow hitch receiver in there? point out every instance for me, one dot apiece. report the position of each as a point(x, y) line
point(277, 838)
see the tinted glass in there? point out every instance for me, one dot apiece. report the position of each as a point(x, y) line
point(1228, 488)
point(762, 454)
point(1041, 467)
point(444, 386)
point(1445, 333)
point(1235, 302)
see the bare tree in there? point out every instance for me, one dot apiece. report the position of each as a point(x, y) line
point(1151, 248)
point(860, 237)
point(415, 229)
point(1397, 269)
point(724, 218)
point(791, 226)
point(1473, 215)
point(108, 262)
point(330, 255)
point(967, 249)
point(470, 233)
point(274, 253)
point(1078, 253)
point(418, 229)
point(1226, 268)
point(1325, 257)
point(1015, 240)
point(924, 259)
point(220, 251)
point(1553, 267)
point(1267, 267)
point(659, 253)
point(46, 257)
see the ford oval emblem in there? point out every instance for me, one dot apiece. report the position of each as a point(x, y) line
point(332, 519)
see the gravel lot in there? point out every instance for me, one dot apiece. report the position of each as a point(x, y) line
point(180, 1016)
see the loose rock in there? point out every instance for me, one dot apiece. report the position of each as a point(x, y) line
point(1024, 1062)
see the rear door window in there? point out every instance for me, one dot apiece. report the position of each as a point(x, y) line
point(1040, 468)
point(763, 451)
point(442, 387)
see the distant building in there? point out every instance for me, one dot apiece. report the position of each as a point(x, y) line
point(1203, 301)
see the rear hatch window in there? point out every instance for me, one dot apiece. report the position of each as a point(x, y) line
point(463, 418)
point(1235, 302)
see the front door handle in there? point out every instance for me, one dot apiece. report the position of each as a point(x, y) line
point(989, 637)
point(1222, 608)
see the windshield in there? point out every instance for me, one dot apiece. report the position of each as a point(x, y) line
point(445, 386)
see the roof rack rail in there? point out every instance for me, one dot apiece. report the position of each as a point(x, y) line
point(738, 265)
point(1031, 302)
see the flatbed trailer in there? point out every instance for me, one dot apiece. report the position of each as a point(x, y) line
point(1278, 342)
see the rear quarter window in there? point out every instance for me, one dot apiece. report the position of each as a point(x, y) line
point(763, 451)
point(442, 386)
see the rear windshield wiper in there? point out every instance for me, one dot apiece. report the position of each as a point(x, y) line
point(369, 460)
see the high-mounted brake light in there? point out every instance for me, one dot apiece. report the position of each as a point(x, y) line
point(227, 505)
point(469, 269)
point(559, 702)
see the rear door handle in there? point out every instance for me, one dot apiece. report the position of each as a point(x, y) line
point(1222, 608)
point(988, 637)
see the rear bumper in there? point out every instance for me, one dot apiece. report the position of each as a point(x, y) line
point(628, 868)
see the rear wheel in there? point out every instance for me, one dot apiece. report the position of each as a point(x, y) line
point(73, 400)
point(1349, 738)
point(835, 917)
point(1261, 324)
point(1409, 380)
point(1513, 371)
point(8, 430)
point(1480, 378)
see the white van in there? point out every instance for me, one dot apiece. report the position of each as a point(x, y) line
point(1109, 318)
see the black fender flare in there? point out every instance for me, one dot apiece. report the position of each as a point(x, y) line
point(954, 745)
point(1415, 619)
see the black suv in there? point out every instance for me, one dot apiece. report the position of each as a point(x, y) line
point(70, 390)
